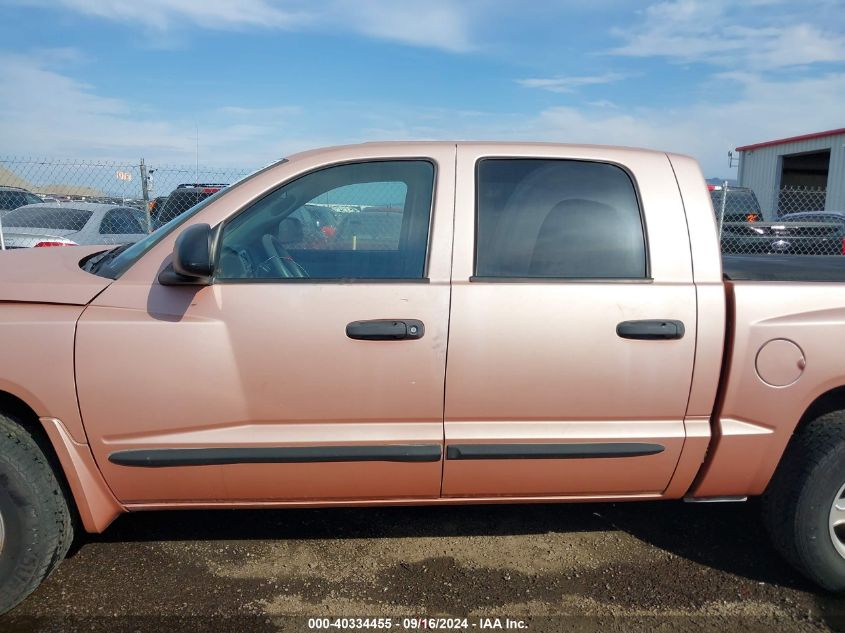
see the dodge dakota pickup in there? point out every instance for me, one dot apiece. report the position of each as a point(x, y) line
point(485, 323)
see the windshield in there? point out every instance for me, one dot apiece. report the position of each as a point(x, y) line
point(116, 266)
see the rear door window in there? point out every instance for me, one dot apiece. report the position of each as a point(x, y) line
point(563, 219)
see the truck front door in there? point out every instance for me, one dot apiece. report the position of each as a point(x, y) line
point(287, 378)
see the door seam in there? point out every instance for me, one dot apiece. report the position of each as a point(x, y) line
point(448, 320)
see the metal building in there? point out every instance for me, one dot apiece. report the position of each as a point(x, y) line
point(800, 173)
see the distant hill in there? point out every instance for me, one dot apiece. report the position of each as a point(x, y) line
point(69, 190)
point(10, 179)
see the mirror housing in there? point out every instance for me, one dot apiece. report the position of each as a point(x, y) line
point(193, 258)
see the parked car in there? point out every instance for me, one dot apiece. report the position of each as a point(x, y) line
point(369, 230)
point(324, 219)
point(827, 217)
point(599, 348)
point(183, 198)
point(803, 233)
point(740, 203)
point(14, 197)
point(318, 226)
point(156, 205)
point(74, 223)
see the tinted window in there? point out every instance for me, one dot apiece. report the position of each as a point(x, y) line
point(373, 224)
point(15, 199)
point(180, 201)
point(122, 222)
point(557, 219)
point(737, 201)
point(59, 218)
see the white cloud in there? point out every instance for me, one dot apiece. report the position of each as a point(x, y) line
point(570, 84)
point(438, 24)
point(52, 114)
point(603, 103)
point(750, 109)
point(161, 14)
point(720, 33)
point(762, 110)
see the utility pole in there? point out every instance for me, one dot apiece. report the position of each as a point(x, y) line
point(145, 193)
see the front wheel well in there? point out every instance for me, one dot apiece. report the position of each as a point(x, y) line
point(25, 417)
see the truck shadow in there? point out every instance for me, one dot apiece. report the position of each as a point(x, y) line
point(728, 538)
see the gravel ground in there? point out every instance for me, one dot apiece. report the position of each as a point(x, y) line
point(666, 566)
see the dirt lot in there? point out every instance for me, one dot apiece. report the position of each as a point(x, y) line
point(668, 566)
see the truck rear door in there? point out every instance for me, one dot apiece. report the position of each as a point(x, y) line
point(572, 325)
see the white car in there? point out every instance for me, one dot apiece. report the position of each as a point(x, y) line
point(85, 223)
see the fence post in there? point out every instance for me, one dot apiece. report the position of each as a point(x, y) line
point(2, 238)
point(722, 210)
point(145, 194)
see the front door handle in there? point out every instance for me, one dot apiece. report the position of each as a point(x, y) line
point(651, 329)
point(385, 330)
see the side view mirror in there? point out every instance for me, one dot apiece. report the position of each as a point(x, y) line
point(193, 258)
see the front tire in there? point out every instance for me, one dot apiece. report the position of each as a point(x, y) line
point(804, 505)
point(37, 527)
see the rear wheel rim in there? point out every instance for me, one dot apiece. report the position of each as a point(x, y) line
point(836, 522)
point(2, 533)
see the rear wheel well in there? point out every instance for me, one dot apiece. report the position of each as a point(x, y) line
point(833, 400)
point(828, 402)
point(27, 419)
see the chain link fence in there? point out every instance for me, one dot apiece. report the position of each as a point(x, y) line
point(55, 202)
point(65, 202)
point(798, 226)
point(800, 200)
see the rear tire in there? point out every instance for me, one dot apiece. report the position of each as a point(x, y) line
point(37, 527)
point(798, 506)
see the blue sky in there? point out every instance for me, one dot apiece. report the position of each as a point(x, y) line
point(260, 79)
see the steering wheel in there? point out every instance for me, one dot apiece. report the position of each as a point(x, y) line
point(281, 260)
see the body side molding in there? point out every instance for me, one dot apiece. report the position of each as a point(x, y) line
point(167, 457)
point(552, 451)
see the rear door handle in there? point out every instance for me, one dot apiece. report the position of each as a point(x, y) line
point(651, 329)
point(385, 330)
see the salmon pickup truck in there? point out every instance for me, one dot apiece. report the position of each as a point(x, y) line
point(501, 322)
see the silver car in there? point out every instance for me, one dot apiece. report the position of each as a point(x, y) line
point(72, 223)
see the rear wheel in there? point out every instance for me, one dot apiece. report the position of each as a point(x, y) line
point(35, 521)
point(804, 506)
